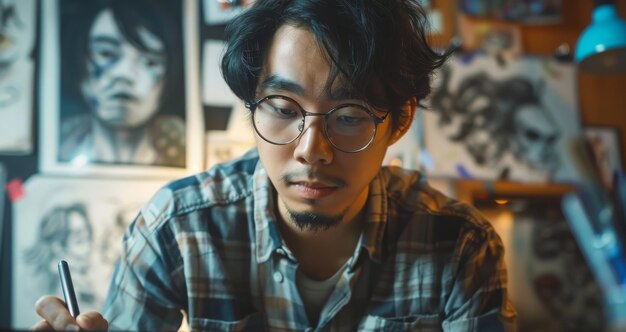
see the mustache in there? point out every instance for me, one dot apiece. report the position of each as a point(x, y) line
point(308, 175)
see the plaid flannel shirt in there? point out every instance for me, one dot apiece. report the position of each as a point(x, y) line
point(209, 245)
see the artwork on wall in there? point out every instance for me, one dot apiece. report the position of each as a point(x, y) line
point(219, 12)
point(18, 29)
point(502, 121)
point(215, 92)
point(405, 152)
point(228, 132)
point(116, 78)
point(80, 220)
point(234, 141)
point(496, 38)
point(520, 11)
point(550, 284)
point(604, 147)
point(3, 182)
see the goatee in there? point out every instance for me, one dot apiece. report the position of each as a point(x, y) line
point(307, 221)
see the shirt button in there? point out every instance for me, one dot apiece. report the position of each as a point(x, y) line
point(278, 277)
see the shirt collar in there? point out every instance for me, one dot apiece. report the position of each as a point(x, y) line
point(267, 235)
point(375, 218)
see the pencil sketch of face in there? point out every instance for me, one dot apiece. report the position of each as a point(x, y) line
point(480, 125)
point(79, 237)
point(65, 232)
point(561, 278)
point(124, 80)
point(11, 28)
point(534, 138)
point(473, 113)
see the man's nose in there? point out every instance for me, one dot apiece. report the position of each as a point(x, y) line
point(313, 147)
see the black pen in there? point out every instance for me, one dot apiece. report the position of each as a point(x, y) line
point(68, 289)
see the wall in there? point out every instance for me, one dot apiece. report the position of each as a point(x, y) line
point(602, 97)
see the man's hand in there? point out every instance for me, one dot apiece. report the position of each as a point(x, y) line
point(56, 317)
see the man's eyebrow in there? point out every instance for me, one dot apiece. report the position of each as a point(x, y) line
point(275, 82)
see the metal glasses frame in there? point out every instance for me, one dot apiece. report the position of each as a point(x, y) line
point(252, 106)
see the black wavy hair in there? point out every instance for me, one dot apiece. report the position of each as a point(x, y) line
point(376, 45)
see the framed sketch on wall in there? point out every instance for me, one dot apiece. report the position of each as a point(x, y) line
point(17, 75)
point(118, 88)
point(220, 12)
point(236, 139)
point(604, 147)
point(405, 152)
point(228, 131)
point(3, 183)
point(80, 220)
point(528, 12)
point(491, 120)
point(217, 98)
point(541, 255)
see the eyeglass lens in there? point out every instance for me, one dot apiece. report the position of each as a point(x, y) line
point(280, 121)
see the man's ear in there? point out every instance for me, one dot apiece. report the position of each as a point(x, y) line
point(405, 121)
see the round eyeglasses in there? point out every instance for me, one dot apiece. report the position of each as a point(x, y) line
point(280, 120)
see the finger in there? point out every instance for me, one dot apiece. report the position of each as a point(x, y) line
point(42, 325)
point(53, 310)
point(92, 321)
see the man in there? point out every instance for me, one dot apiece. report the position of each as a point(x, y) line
point(308, 231)
point(128, 66)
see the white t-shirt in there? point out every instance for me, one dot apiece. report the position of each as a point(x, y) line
point(315, 293)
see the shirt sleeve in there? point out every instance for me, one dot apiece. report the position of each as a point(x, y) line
point(478, 298)
point(143, 295)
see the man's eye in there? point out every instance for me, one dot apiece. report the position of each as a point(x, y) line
point(283, 111)
point(351, 120)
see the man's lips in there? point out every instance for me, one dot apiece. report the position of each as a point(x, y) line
point(314, 190)
point(310, 184)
